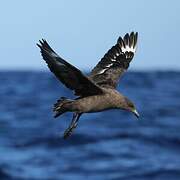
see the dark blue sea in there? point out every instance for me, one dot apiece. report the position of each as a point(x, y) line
point(111, 145)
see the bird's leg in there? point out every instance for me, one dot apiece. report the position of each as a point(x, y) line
point(72, 126)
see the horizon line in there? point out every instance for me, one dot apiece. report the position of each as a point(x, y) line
point(87, 70)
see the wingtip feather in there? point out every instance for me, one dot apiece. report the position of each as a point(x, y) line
point(128, 42)
point(38, 45)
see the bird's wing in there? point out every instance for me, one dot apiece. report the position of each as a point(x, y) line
point(69, 75)
point(115, 62)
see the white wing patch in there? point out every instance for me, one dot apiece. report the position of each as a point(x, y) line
point(102, 71)
point(105, 68)
point(109, 65)
point(121, 54)
point(128, 49)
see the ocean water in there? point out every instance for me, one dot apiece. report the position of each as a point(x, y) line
point(111, 145)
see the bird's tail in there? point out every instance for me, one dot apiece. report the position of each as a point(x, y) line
point(60, 106)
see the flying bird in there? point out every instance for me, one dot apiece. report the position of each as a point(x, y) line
point(97, 91)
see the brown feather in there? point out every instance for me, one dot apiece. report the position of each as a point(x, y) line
point(115, 62)
point(69, 75)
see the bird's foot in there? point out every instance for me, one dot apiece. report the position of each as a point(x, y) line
point(72, 126)
point(69, 130)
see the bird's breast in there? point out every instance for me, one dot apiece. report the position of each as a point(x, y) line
point(96, 103)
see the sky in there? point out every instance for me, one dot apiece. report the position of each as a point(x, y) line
point(82, 32)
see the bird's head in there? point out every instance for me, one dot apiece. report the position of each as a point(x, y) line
point(129, 106)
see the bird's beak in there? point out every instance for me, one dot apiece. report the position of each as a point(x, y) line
point(135, 113)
